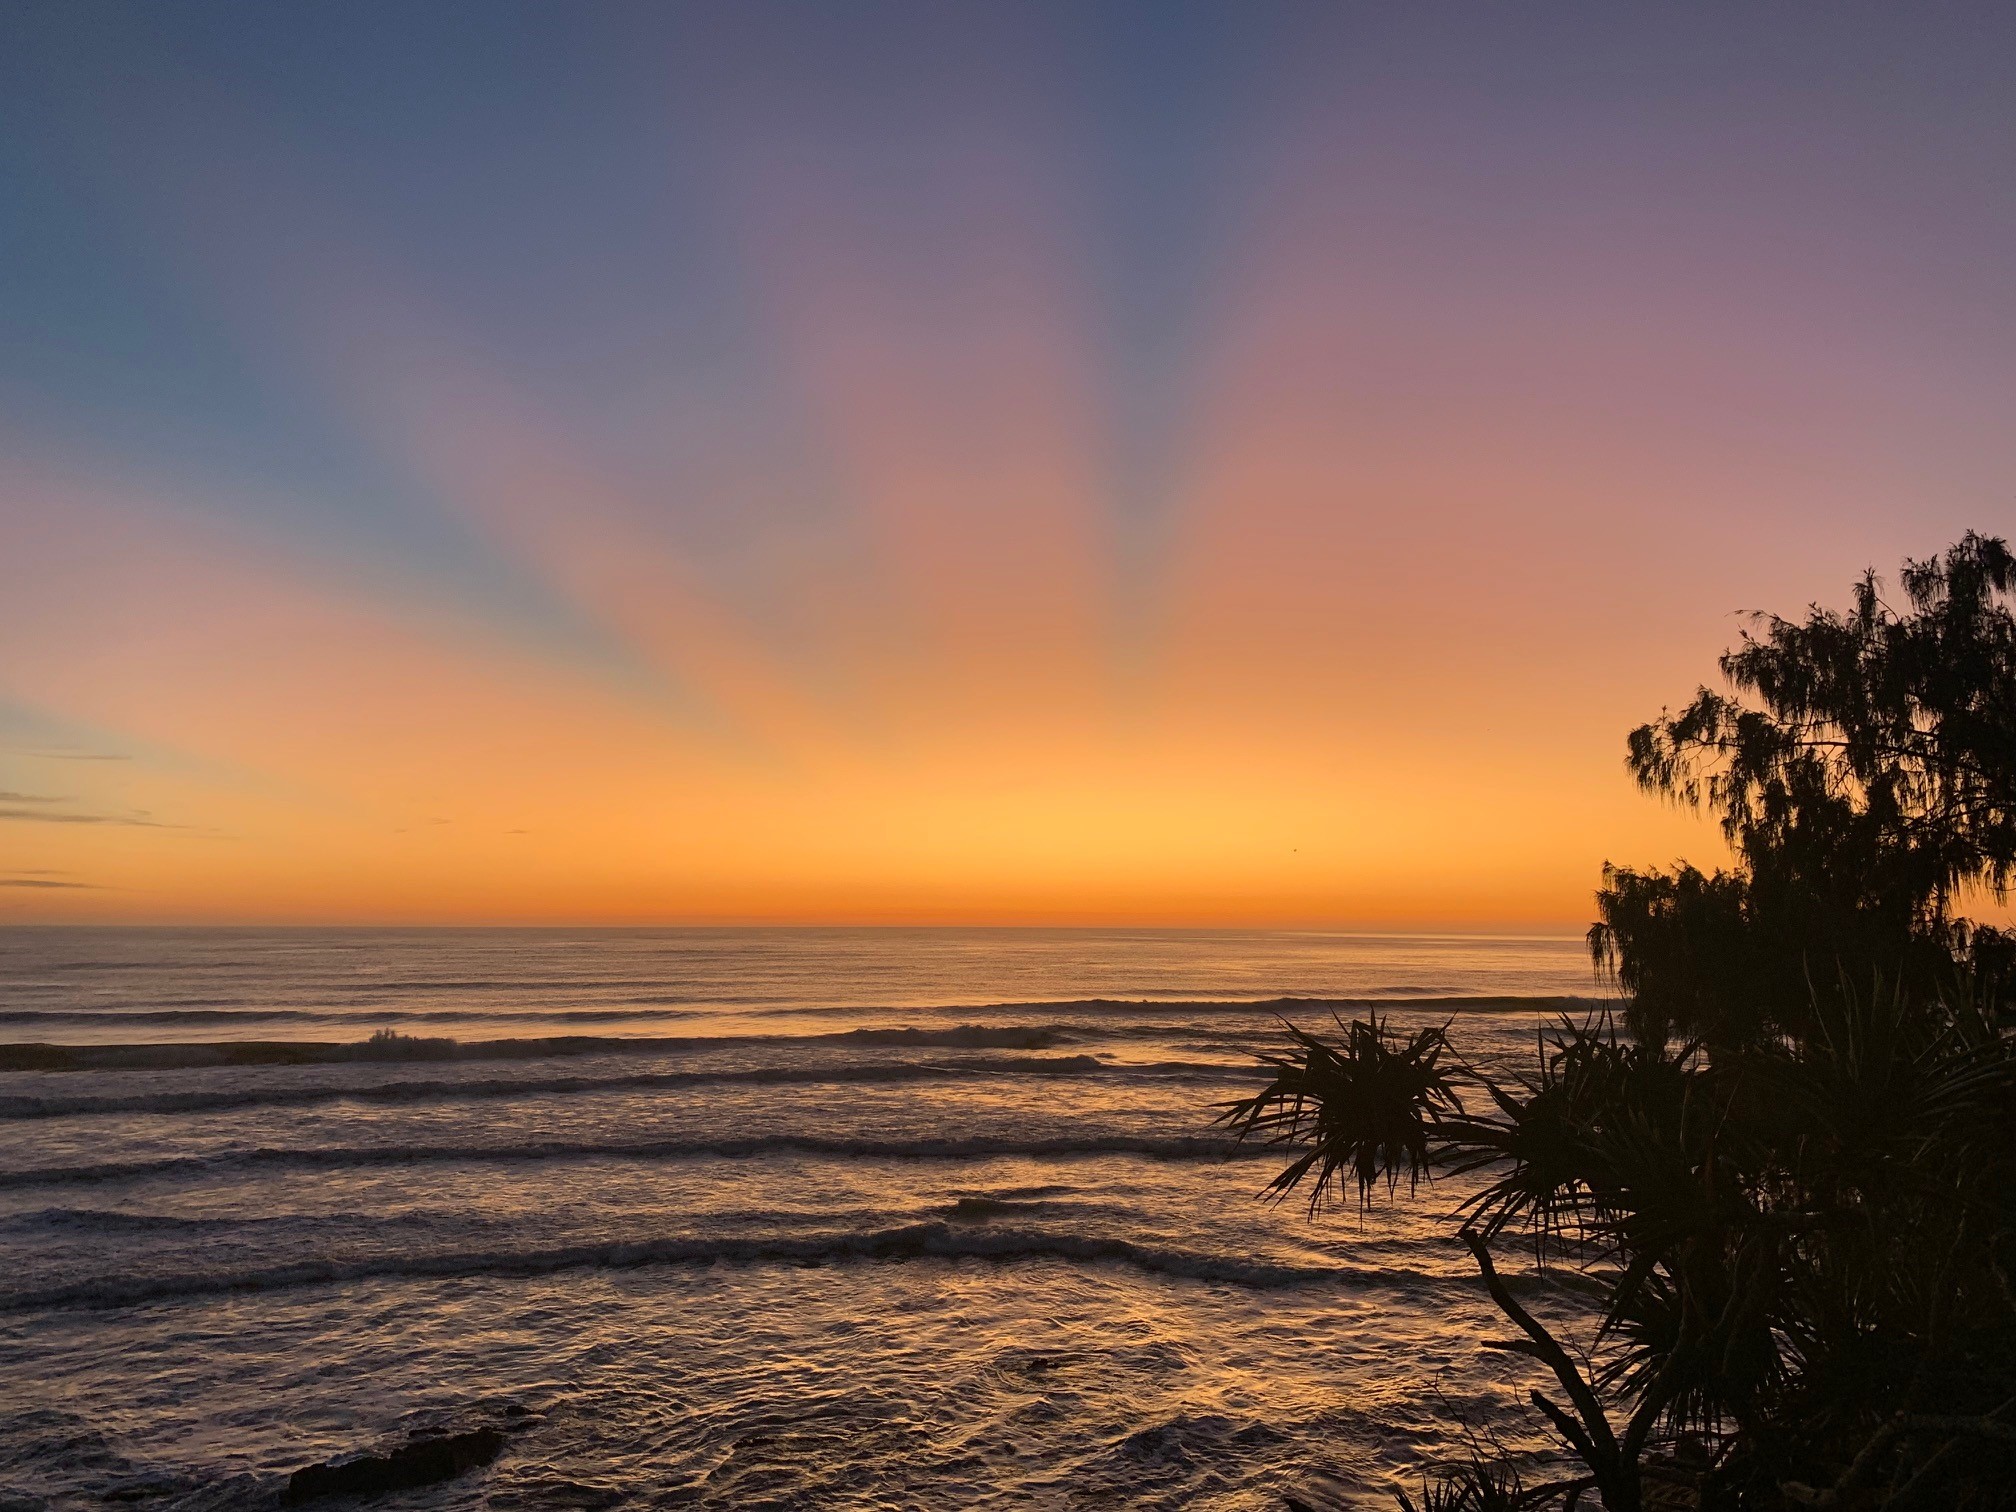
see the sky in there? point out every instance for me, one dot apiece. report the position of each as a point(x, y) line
point(1101, 463)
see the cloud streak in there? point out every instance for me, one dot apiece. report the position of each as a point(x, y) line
point(51, 816)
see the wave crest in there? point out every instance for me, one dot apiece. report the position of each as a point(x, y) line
point(984, 1147)
point(392, 1046)
point(211, 1100)
point(910, 1242)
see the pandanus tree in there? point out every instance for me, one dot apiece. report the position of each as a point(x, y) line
point(1801, 1251)
point(1784, 1179)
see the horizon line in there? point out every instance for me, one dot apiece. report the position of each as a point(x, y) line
point(1324, 931)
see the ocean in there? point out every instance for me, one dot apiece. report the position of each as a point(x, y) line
point(721, 1218)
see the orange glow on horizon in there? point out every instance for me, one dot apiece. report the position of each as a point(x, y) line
point(883, 508)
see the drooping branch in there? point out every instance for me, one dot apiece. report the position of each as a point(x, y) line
point(1597, 1442)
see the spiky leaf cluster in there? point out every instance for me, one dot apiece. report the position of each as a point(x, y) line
point(1802, 1247)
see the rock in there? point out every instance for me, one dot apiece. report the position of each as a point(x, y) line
point(419, 1463)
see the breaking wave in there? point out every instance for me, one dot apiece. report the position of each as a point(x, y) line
point(910, 1242)
point(985, 1147)
point(403, 1047)
point(109, 1017)
point(226, 1011)
point(210, 1100)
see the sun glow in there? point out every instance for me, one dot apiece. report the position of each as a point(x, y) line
point(869, 513)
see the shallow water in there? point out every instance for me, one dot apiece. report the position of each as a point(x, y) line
point(739, 1218)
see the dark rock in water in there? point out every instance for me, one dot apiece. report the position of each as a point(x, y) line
point(143, 1487)
point(420, 1463)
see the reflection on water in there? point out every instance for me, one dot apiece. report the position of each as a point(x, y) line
point(744, 1255)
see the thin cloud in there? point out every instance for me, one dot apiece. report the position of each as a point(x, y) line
point(51, 816)
point(48, 882)
point(29, 798)
point(66, 755)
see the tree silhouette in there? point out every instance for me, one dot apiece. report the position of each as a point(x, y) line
point(1788, 1176)
point(1801, 1249)
point(1864, 771)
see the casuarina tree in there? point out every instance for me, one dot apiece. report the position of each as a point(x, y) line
point(1863, 767)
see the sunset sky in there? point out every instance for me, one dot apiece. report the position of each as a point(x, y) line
point(1103, 463)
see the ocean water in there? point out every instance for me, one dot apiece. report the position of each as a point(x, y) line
point(720, 1218)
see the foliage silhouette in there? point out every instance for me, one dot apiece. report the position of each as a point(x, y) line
point(1802, 1247)
point(1792, 1194)
point(1864, 772)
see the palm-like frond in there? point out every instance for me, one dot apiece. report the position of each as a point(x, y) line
point(1374, 1105)
point(1802, 1246)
